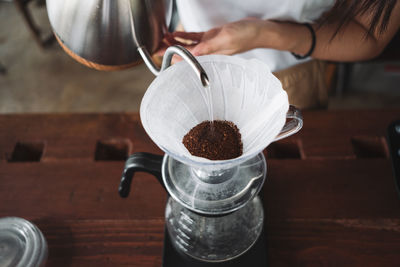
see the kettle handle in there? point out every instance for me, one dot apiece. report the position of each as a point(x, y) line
point(141, 161)
point(293, 125)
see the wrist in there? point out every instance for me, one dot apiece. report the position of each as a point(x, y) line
point(312, 46)
point(258, 32)
point(285, 36)
point(268, 35)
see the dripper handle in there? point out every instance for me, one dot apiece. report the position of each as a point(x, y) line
point(294, 122)
point(140, 161)
point(169, 53)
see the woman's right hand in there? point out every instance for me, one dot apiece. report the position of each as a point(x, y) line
point(229, 39)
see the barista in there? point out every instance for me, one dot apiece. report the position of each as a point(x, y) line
point(285, 34)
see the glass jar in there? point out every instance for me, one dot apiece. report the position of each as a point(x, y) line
point(22, 244)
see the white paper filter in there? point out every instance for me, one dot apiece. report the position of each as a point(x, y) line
point(243, 91)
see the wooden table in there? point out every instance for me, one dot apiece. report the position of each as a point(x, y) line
point(330, 196)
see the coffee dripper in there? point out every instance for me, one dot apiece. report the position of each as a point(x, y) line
point(213, 213)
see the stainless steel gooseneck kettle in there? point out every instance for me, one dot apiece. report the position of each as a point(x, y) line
point(115, 34)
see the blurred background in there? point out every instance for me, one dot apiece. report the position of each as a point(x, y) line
point(37, 76)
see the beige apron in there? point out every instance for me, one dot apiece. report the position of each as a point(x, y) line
point(305, 84)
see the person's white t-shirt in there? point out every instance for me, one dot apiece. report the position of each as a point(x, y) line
point(203, 15)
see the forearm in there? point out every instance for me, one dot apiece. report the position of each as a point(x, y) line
point(349, 45)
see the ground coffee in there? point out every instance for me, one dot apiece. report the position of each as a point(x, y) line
point(217, 141)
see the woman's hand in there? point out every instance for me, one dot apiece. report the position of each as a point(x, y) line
point(231, 38)
point(243, 35)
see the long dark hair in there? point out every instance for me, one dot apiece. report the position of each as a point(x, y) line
point(345, 10)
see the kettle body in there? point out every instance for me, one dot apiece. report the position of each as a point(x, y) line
point(106, 34)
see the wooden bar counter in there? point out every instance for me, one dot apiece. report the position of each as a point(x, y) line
point(330, 196)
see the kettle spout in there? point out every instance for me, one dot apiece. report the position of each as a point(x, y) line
point(169, 53)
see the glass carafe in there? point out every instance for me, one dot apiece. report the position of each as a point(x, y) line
point(214, 238)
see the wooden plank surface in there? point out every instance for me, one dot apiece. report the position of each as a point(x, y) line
point(329, 197)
